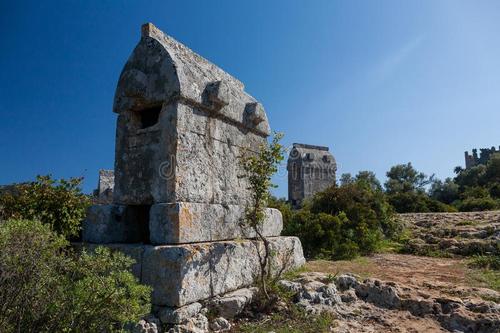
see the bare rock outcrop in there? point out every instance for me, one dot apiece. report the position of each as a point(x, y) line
point(372, 304)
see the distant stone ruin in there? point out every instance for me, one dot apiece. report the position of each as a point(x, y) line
point(311, 169)
point(482, 159)
point(104, 192)
point(179, 197)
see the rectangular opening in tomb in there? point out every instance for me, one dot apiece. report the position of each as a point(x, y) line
point(137, 218)
point(149, 117)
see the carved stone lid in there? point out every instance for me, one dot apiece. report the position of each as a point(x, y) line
point(162, 70)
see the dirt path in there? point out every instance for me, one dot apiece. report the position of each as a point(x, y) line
point(407, 269)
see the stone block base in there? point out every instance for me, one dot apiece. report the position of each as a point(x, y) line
point(187, 222)
point(184, 274)
point(227, 306)
point(172, 223)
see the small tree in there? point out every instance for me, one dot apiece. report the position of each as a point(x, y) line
point(259, 168)
point(404, 178)
point(57, 203)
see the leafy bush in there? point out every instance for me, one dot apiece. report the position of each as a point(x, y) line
point(495, 191)
point(477, 204)
point(405, 189)
point(417, 202)
point(343, 222)
point(479, 186)
point(446, 192)
point(58, 203)
point(259, 168)
point(46, 288)
point(404, 178)
point(486, 262)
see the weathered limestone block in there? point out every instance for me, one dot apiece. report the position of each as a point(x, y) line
point(183, 274)
point(188, 273)
point(180, 192)
point(232, 304)
point(169, 315)
point(186, 222)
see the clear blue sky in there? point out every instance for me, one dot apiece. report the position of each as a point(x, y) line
point(379, 82)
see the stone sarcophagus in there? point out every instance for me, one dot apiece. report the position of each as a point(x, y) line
point(182, 124)
point(179, 194)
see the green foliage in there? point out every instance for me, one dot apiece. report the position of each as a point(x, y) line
point(481, 274)
point(479, 186)
point(471, 177)
point(368, 178)
point(476, 199)
point(403, 178)
point(486, 262)
point(293, 320)
point(58, 203)
point(343, 222)
point(495, 190)
point(259, 167)
point(417, 202)
point(47, 288)
point(405, 188)
point(477, 204)
point(445, 192)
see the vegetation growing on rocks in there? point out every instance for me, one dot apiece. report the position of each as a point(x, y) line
point(259, 168)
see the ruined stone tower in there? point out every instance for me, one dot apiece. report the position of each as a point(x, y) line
point(482, 159)
point(179, 196)
point(311, 169)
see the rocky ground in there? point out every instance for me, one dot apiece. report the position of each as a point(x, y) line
point(373, 305)
point(453, 233)
point(436, 291)
point(403, 294)
point(414, 294)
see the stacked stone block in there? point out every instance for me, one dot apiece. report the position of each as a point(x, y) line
point(179, 195)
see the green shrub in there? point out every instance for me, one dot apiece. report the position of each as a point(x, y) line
point(495, 190)
point(58, 203)
point(477, 204)
point(46, 288)
point(445, 192)
point(293, 320)
point(417, 202)
point(486, 262)
point(343, 222)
